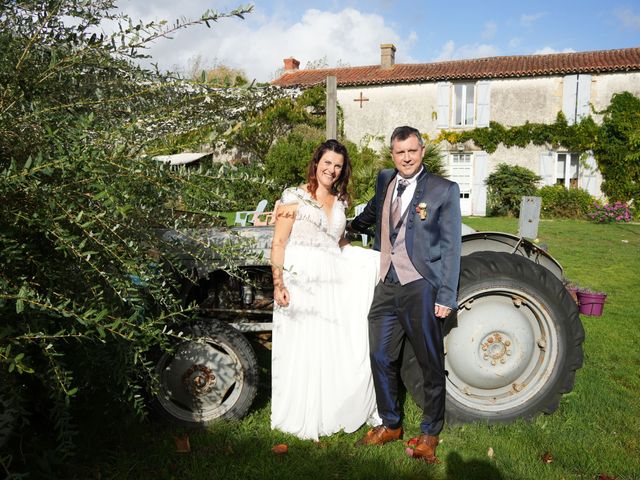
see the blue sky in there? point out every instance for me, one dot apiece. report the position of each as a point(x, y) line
point(350, 32)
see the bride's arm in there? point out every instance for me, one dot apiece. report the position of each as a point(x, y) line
point(285, 216)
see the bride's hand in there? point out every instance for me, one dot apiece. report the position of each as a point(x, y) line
point(281, 296)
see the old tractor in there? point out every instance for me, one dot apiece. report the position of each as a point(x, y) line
point(512, 349)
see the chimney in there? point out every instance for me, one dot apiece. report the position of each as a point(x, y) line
point(291, 65)
point(387, 55)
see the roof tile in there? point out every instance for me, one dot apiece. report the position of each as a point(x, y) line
point(480, 68)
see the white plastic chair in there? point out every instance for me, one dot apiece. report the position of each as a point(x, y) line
point(241, 218)
point(250, 216)
point(358, 210)
point(268, 218)
point(255, 219)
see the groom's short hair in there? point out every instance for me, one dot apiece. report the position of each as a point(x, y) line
point(404, 132)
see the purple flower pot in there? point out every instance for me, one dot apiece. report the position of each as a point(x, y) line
point(591, 303)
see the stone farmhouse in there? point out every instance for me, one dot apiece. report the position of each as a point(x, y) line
point(465, 94)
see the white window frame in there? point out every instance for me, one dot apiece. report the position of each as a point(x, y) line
point(463, 109)
point(566, 179)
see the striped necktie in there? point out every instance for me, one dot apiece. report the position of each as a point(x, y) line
point(396, 208)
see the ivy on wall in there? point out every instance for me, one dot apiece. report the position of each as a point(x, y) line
point(578, 137)
point(615, 143)
point(617, 149)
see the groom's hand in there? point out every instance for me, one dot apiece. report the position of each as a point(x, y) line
point(442, 311)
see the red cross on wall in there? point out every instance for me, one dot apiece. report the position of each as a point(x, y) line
point(361, 99)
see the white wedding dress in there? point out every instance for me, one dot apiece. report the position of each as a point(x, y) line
point(321, 375)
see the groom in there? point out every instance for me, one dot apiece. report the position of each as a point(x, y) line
point(417, 219)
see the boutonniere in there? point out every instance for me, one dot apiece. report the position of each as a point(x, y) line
point(421, 210)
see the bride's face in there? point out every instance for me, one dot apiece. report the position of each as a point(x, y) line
point(329, 168)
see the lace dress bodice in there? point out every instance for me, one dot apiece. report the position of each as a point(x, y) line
point(312, 227)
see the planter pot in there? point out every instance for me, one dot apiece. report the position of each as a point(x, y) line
point(591, 303)
point(573, 291)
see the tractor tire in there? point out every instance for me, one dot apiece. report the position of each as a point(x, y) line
point(512, 348)
point(209, 376)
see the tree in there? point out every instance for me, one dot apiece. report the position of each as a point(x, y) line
point(84, 292)
point(287, 160)
point(261, 127)
point(216, 75)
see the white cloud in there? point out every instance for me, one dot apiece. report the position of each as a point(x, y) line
point(449, 51)
point(528, 20)
point(413, 38)
point(628, 18)
point(515, 42)
point(550, 50)
point(490, 29)
point(260, 43)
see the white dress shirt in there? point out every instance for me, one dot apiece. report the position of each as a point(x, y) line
point(407, 195)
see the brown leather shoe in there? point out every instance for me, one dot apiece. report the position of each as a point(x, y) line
point(426, 449)
point(380, 435)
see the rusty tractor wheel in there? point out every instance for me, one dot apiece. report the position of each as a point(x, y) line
point(211, 375)
point(514, 346)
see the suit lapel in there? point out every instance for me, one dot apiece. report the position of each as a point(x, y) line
point(421, 186)
point(383, 194)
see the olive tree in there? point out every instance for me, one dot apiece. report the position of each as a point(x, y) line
point(87, 286)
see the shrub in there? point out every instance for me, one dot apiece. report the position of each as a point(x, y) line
point(560, 202)
point(366, 163)
point(506, 187)
point(84, 296)
point(287, 160)
point(610, 213)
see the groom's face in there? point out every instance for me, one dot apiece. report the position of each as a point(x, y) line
point(407, 156)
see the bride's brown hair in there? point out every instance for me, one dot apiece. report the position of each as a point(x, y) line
point(339, 187)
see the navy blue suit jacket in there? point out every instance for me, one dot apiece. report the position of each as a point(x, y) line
point(433, 244)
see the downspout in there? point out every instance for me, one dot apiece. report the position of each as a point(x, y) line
point(575, 108)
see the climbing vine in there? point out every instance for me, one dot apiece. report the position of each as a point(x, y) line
point(618, 149)
point(615, 143)
point(578, 137)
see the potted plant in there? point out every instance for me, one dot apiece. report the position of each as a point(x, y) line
point(591, 302)
point(572, 288)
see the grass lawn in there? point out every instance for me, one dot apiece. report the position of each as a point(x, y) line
point(595, 431)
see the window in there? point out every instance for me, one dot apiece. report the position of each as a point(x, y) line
point(460, 172)
point(463, 104)
point(567, 166)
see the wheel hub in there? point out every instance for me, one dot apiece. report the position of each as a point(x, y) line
point(498, 355)
point(496, 348)
point(199, 379)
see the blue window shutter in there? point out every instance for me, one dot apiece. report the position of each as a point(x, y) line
point(569, 98)
point(478, 187)
point(584, 96)
point(444, 91)
point(484, 104)
point(548, 168)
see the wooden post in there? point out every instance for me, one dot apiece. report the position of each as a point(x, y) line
point(332, 107)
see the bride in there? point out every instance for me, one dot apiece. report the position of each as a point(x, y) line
point(321, 374)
